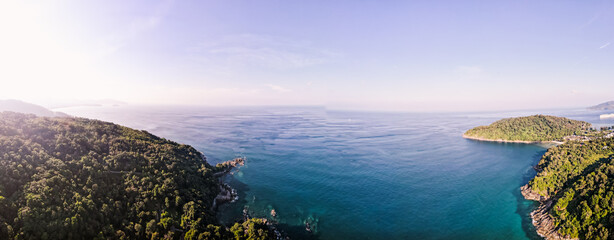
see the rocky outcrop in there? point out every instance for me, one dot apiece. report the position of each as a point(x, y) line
point(225, 167)
point(232, 163)
point(543, 222)
point(227, 194)
point(529, 194)
point(541, 216)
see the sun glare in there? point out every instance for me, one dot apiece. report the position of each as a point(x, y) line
point(36, 63)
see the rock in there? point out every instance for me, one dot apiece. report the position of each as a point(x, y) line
point(529, 194)
point(227, 194)
point(543, 223)
point(541, 217)
point(225, 167)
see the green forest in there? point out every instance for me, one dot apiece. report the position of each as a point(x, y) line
point(74, 178)
point(578, 177)
point(531, 128)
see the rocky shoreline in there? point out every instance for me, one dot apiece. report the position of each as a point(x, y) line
point(529, 194)
point(225, 167)
point(540, 217)
point(508, 141)
point(227, 193)
point(272, 225)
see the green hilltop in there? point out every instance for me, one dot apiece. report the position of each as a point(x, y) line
point(536, 128)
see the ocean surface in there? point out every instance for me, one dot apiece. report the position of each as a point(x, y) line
point(359, 175)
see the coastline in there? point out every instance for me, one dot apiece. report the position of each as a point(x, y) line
point(540, 217)
point(227, 193)
point(509, 141)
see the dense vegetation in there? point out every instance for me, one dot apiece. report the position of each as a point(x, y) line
point(71, 178)
point(531, 128)
point(578, 177)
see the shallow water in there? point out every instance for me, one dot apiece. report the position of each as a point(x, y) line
point(359, 175)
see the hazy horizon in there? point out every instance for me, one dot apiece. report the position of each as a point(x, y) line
point(398, 56)
point(92, 104)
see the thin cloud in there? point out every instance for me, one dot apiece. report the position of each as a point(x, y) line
point(591, 20)
point(249, 50)
point(605, 45)
point(113, 42)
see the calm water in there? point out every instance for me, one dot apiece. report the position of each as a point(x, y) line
point(356, 175)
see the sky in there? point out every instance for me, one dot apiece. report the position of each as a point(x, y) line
point(355, 55)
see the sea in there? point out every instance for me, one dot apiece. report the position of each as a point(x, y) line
point(359, 175)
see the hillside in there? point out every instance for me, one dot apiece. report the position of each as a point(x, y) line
point(536, 128)
point(603, 106)
point(24, 107)
point(575, 184)
point(72, 178)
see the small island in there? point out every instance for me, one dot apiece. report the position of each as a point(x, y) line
point(603, 106)
point(531, 129)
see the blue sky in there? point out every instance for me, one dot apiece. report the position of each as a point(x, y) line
point(367, 55)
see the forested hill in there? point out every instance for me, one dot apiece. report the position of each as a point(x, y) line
point(575, 183)
point(72, 178)
point(536, 128)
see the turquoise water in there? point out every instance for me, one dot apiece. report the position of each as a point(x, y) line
point(356, 175)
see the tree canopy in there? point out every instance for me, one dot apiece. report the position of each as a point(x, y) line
point(578, 177)
point(531, 128)
point(74, 178)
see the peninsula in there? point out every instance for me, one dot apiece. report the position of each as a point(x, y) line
point(574, 179)
point(530, 129)
point(575, 188)
point(75, 178)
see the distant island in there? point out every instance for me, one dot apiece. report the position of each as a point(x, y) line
point(531, 129)
point(75, 178)
point(575, 188)
point(12, 105)
point(603, 106)
point(85, 103)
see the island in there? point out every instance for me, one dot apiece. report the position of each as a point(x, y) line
point(603, 106)
point(530, 129)
point(76, 178)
